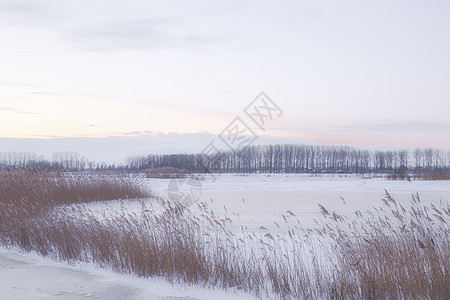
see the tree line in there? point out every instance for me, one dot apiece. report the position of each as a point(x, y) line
point(253, 159)
point(62, 160)
point(299, 159)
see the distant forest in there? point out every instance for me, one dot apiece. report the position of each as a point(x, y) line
point(255, 159)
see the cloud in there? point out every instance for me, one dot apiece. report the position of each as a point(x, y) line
point(7, 108)
point(123, 33)
point(144, 33)
point(382, 126)
point(14, 9)
point(52, 93)
point(35, 136)
point(16, 84)
point(389, 126)
point(112, 25)
point(18, 111)
point(30, 113)
point(137, 133)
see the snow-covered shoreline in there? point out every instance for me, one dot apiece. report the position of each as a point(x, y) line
point(30, 276)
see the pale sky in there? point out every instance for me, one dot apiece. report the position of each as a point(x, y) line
point(363, 73)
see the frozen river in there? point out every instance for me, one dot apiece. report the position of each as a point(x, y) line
point(262, 199)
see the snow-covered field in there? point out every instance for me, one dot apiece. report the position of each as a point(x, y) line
point(255, 200)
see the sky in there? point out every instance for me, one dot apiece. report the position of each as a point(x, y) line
point(361, 73)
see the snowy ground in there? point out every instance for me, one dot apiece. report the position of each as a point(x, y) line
point(266, 198)
point(28, 276)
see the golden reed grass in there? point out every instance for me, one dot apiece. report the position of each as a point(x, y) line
point(387, 253)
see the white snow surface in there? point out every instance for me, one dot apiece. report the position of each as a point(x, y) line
point(261, 199)
point(29, 276)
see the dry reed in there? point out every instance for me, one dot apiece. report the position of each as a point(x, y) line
point(386, 253)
